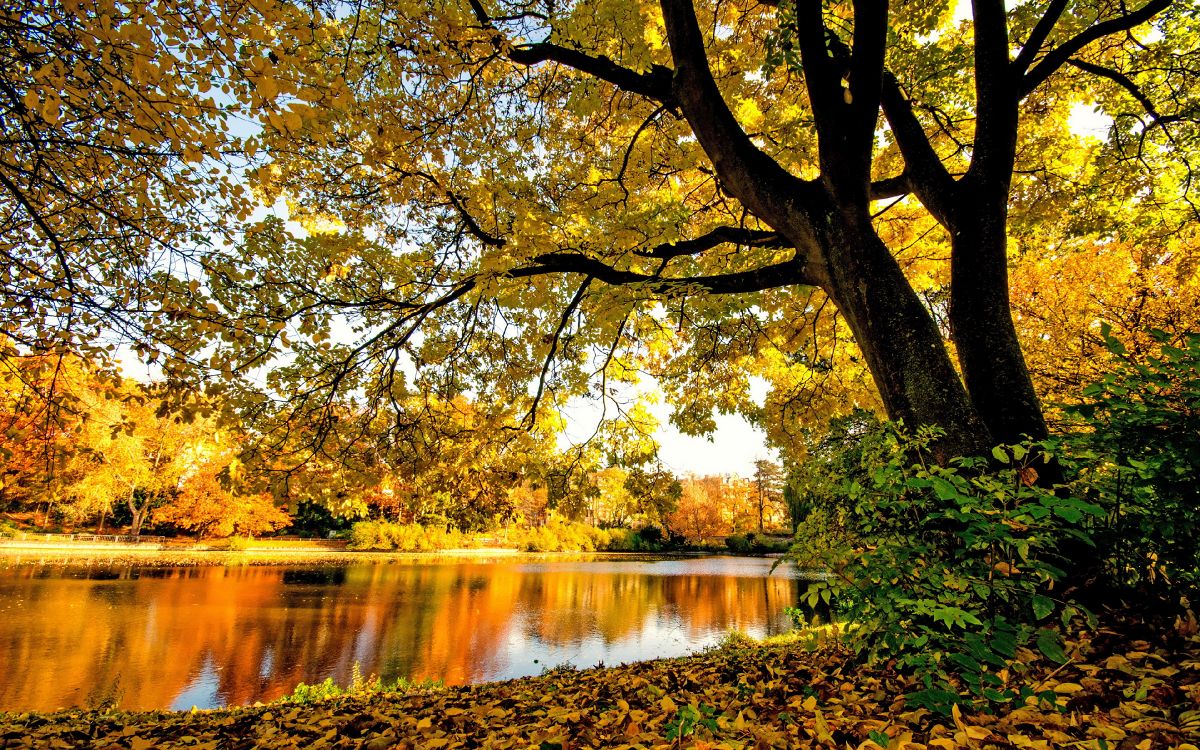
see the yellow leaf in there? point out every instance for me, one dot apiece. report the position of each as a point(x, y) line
point(822, 727)
point(668, 705)
point(956, 713)
point(50, 111)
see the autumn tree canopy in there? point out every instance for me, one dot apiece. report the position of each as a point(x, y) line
point(532, 201)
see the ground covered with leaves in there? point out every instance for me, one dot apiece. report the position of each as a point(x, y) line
point(1117, 691)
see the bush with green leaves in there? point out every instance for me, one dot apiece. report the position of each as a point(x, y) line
point(358, 686)
point(947, 569)
point(1138, 449)
point(752, 543)
point(411, 537)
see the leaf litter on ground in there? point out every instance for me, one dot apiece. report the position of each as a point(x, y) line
point(1116, 692)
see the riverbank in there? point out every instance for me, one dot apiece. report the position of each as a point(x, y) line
point(187, 557)
point(1117, 691)
point(23, 553)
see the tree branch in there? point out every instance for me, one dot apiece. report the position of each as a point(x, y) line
point(1057, 57)
point(866, 80)
point(1121, 80)
point(757, 180)
point(531, 416)
point(891, 187)
point(787, 273)
point(654, 85)
point(718, 236)
point(923, 169)
point(996, 114)
point(1038, 37)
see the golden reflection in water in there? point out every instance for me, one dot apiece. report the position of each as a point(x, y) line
point(176, 637)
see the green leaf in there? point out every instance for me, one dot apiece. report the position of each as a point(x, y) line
point(1050, 644)
point(1042, 606)
point(1000, 454)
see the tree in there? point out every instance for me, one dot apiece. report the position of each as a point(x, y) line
point(529, 201)
point(707, 506)
point(655, 491)
point(1063, 301)
point(209, 501)
point(768, 486)
point(730, 201)
point(120, 157)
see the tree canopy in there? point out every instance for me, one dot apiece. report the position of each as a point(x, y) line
point(528, 202)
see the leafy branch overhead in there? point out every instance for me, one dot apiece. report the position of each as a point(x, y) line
point(534, 201)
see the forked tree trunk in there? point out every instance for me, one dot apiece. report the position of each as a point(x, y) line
point(899, 339)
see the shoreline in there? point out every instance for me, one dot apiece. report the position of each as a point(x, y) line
point(736, 697)
point(38, 553)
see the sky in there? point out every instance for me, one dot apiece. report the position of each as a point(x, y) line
point(732, 449)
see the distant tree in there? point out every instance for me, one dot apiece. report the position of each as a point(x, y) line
point(655, 491)
point(209, 503)
point(699, 513)
point(768, 487)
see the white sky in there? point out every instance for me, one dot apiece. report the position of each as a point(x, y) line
point(733, 449)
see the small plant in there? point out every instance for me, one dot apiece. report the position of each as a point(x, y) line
point(238, 543)
point(736, 640)
point(1139, 449)
point(304, 694)
point(688, 719)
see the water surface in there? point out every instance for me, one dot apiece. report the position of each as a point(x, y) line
point(171, 637)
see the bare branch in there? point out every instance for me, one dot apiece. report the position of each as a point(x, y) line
point(718, 236)
point(531, 416)
point(1057, 57)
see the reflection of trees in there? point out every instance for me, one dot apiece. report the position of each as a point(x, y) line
point(151, 631)
point(570, 606)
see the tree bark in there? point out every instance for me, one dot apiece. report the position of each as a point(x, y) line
point(981, 326)
point(899, 339)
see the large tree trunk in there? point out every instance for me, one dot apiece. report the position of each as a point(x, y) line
point(899, 339)
point(981, 324)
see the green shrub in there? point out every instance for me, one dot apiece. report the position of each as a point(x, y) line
point(621, 540)
point(754, 543)
point(739, 543)
point(651, 536)
point(1139, 453)
point(359, 686)
point(387, 536)
point(559, 535)
point(948, 570)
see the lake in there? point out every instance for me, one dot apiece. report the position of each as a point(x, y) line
point(148, 637)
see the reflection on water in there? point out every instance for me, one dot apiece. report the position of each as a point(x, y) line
point(210, 636)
